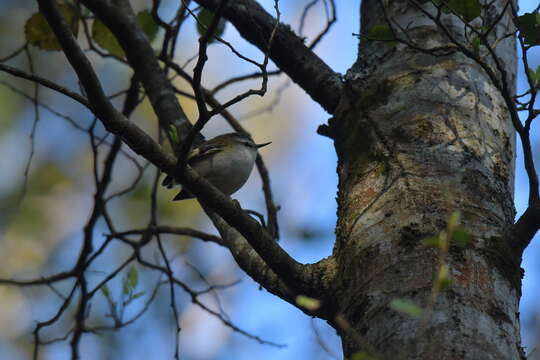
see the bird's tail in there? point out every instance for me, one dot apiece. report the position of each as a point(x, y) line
point(183, 195)
point(169, 182)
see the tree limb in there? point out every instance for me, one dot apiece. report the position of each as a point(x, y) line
point(248, 260)
point(255, 266)
point(526, 227)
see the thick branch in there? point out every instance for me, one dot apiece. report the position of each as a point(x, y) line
point(526, 227)
point(255, 266)
point(248, 260)
point(288, 51)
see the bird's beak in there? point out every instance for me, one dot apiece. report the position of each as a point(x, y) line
point(261, 145)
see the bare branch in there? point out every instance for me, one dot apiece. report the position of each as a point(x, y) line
point(248, 260)
point(50, 109)
point(41, 281)
point(49, 84)
point(35, 103)
point(13, 54)
point(236, 79)
point(204, 115)
point(194, 295)
point(288, 52)
point(162, 229)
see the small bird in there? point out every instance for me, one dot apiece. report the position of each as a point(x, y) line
point(225, 161)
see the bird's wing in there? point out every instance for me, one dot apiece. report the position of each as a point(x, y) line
point(196, 154)
point(203, 151)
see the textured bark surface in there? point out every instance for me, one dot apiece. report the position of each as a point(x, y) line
point(418, 137)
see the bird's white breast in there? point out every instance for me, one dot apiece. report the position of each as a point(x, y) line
point(228, 169)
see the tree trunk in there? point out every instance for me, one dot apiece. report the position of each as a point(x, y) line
point(418, 137)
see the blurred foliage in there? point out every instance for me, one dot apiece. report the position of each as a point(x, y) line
point(9, 109)
point(105, 38)
point(381, 33)
point(406, 307)
point(308, 303)
point(35, 222)
point(39, 33)
point(529, 28)
point(147, 24)
point(205, 18)
point(310, 234)
point(14, 317)
point(467, 9)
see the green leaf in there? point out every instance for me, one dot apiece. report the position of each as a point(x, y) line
point(173, 134)
point(105, 290)
point(307, 302)
point(381, 33)
point(433, 241)
point(443, 273)
point(362, 356)
point(461, 236)
point(475, 43)
point(38, 32)
point(454, 221)
point(529, 28)
point(133, 277)
point(468, 9)
point(147, 24)
point(533, 76)
point(406, 307)
point(105, 39)
point(205, 18)
point(481, 29)
point(138, 295)
point(443, 278)
point(446, 284)
point(125, 287)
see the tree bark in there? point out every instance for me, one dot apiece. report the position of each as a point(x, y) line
point(419, 136)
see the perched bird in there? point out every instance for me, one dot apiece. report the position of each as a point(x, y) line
point(225, 161)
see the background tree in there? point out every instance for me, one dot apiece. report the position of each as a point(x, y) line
point(426, 260)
